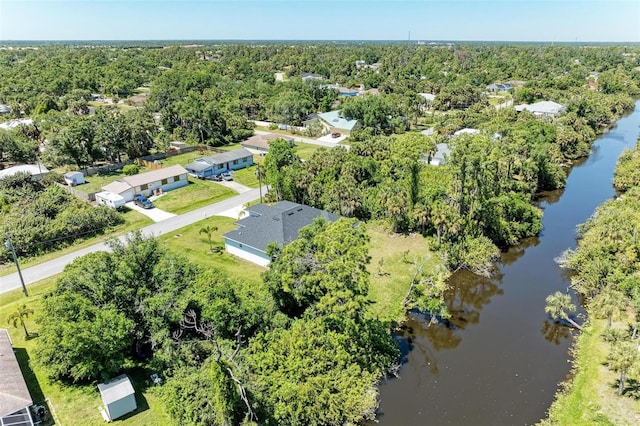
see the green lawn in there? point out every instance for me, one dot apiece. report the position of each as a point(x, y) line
point(182, 159)
point(189, 242)
point(305, 150)
point(96, 182)
point(198, 193)
point(71, 405)
point(591, 396)
point(133, 220)
point(391, 280)
point(247, 177)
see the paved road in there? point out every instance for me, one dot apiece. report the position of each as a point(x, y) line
point(55, 266)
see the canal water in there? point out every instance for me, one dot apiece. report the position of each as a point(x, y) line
point(499, 360)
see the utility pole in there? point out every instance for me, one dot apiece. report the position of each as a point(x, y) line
point(8, 245)
point(259, 173)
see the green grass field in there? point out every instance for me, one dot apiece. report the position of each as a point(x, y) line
point(591, 396)
point(390, 280)
point(189, 242)
point(198, 193)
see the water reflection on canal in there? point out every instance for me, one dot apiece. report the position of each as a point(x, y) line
point(498, 359)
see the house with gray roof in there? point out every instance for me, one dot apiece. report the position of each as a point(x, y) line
point(5, 109)
point(261, 143)
point(220, 163)
point(15, 399)
point(278, 223)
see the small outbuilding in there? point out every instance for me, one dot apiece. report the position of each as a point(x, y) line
point(111, 200)
point(118, 397)
point(74, 178)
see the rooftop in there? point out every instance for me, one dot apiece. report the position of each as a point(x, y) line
point(262, 141)
point(115, 389)
point(14, 394)
point(32, 169)
point(154, 175)
point(204, 162)
point(278, 223)
point(335, 119)
point(542, 107)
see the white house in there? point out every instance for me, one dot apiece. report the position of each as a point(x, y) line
point(148, 183)
point(543, 108)
point(37, 171)
point(333, 122)
point(220, 163)
point(15, 399)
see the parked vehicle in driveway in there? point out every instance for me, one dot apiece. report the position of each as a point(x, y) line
point(142, 201)
point(216, 178)
point(226, 176)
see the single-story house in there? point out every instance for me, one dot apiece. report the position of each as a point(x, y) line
point(5, 109)
point(440, 157)
point(15, 399)
point(74, 178)
point(11, 124)
point(543, 108)
point(279, 223)
point(118, 397)
point(309, 76)
point(466, 131)
point(428, 97)
point(333, 122)
point(37, 171)
point(261, 142)
point(160, 180)
point(220, 163)
point(499, 87)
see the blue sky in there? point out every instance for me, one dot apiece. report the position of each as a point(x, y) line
point(506, 20)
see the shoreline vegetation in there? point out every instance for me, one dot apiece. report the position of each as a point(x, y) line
point(217, 329)
point(604, 387)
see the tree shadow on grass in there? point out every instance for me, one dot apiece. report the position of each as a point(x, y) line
point(141, 382)
point(631, 388)
point(32, 383)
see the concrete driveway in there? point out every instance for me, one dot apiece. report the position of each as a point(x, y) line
point(239, 188)
point(154, 214)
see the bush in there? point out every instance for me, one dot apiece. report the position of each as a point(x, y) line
point(131, 169)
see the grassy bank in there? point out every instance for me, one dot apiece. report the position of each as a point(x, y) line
point(590, 398)
point(391, 270)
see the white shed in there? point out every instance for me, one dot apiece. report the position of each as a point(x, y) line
point(74, 178)
point(118, 397)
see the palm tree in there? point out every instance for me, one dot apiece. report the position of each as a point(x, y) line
point(18, 316)
point(622, 357)
point(208, 231)
point(558, 304)
point(607, 303)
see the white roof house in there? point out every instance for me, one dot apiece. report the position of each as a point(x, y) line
point(35, 170)
point(15, 399)
point(429, 97)
point(8, 125)
point(543, 108)
point(118, 397)
point(5, 109)
point(466, 131)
